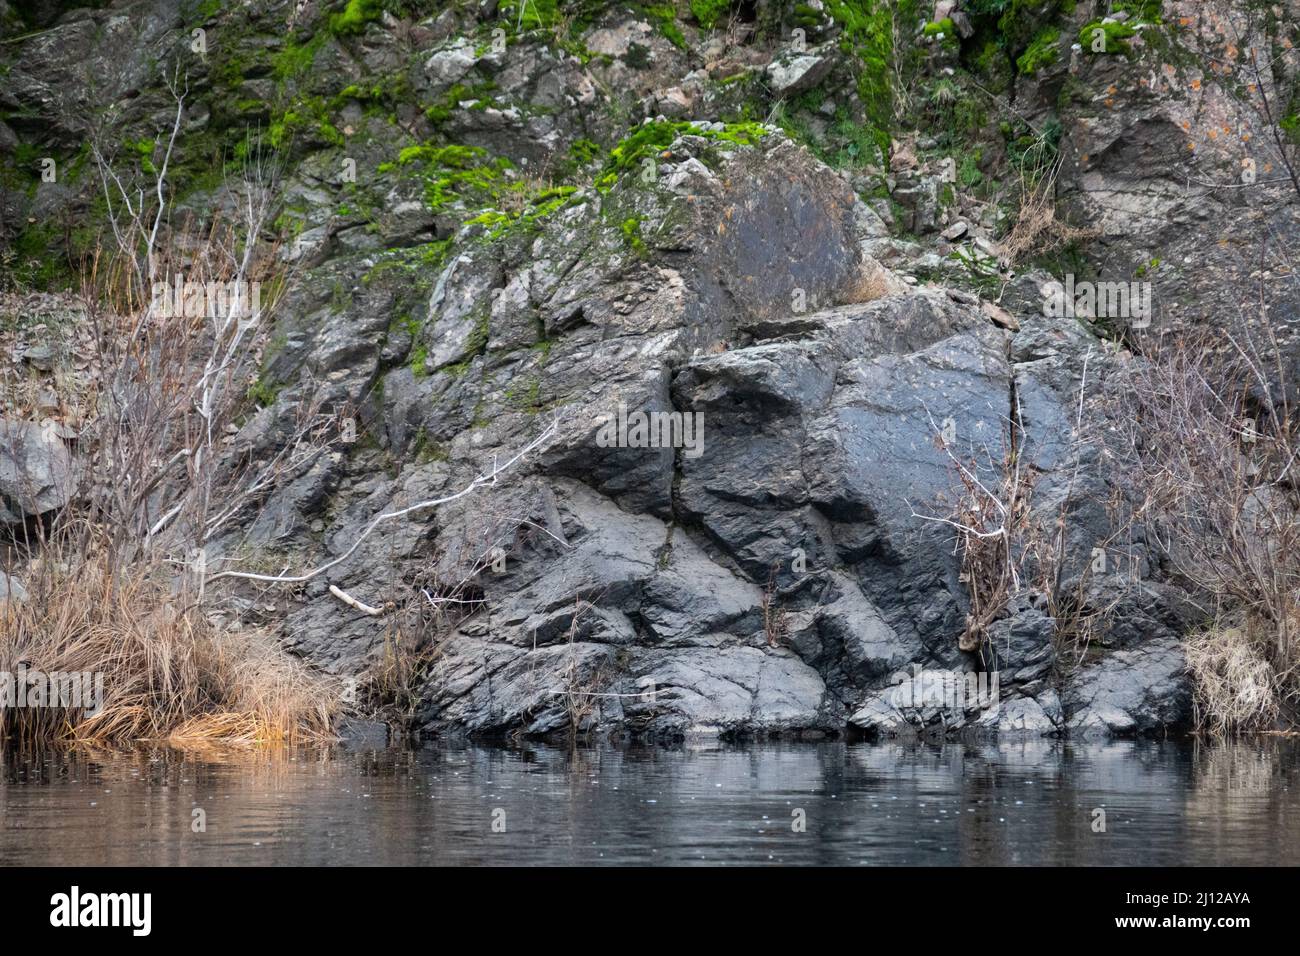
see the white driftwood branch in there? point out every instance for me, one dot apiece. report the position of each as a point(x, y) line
point(350, 601)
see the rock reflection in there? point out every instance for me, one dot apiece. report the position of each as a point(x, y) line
point(1029, 802)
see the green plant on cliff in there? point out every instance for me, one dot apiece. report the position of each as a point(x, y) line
point(1145, 11)
point(631, 231)
point(451, 174)
point(942, 27)
point(144, 149)
point(528, 210)
point(650, 139)
point(1019, 21)
point(1099, 37)
point(295, 59)
point(870, 36)
point(1013, 37)
point(307, 117)
point(1289, 122)
point(1042, 51)
point(707, 13)
point(664, 16)
point(36, 261)
point(956, 112)
point(354, 17)
point(414, 267)
point(1032, 152)
point(525, 15)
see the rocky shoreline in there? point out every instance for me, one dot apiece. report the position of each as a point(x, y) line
point(487, 237)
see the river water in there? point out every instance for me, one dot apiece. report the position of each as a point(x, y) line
point(1024, 802)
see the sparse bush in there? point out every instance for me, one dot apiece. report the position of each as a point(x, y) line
point(1037, 228)
point(1203, 430)
point(116, 575)
point(989, 515)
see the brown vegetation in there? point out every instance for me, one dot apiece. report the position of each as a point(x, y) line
point(1208, 437)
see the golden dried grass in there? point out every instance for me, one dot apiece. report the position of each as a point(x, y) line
point(168, 673)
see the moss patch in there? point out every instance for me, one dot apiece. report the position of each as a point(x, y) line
point(1106, 38)
point(354, 17)
point(1042, 51)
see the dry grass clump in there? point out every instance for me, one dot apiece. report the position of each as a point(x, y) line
point(167, 672)
point(1037, 227)
point(150, 394)
point(1235, 686)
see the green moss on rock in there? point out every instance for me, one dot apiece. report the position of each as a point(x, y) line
point(1098, 37)
point(1043, 51)
point(354, 17)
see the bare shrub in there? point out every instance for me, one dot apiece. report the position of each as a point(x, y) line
point(1007, 546)
point(1070, 598)
point(1205, 434)
point(1078, 619)
point(775, 625)
point(989, 517)
point(990, 522)
point(581, 698)
point(390, 688)
point(116, 577)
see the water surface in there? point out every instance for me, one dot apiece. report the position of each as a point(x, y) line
point(1029, 802)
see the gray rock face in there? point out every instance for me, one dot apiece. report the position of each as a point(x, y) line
point(790, 570)
point(944, 700)
point(35, 471)
point(1136, 690)
point(450, 65)
point(775, 578)
point(796, 72)
point(939, 702)
point(1026, 716)
point(820, 451)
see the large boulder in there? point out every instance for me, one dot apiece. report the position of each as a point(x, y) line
point(1143, 689)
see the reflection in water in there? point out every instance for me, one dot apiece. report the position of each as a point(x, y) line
point(1029, 802)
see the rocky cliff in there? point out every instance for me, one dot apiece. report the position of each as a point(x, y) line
point(817, 230)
